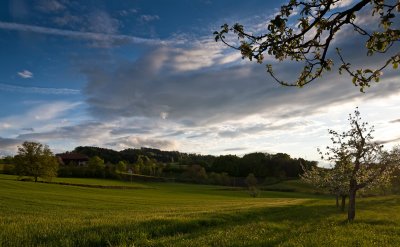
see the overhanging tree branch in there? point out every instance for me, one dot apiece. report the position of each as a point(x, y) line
point(310, 40)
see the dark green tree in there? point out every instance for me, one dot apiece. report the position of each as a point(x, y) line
point(36, 160)
point(256, 163)
point(196, 173)
point(310, 40)
point(122, 166)
point(96, 163)
point(96, 166)
point(227, 163)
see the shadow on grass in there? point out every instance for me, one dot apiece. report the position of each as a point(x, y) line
point(369, 202)
point(376, 222)
point(288, 219)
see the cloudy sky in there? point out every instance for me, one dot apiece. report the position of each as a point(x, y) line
point(127, 74)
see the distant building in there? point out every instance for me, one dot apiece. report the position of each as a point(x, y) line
point(73, 158)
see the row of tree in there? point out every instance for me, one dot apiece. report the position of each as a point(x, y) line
point(150, 161)
point(262, 164)
point(36, 160)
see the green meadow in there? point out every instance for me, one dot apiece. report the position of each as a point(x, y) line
point(173, 214)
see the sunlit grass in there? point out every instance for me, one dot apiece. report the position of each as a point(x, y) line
point(168, 214)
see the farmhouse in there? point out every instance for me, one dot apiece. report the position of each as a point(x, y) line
point(73, 158)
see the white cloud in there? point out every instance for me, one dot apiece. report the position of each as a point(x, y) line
point(137, 142)
point(127, 12)
point(201, 54)
point(343, 3)
point(52, 110)
point(164, 115)
point(38, 90)
point(148, 18)
point(80, 35)
point(102, 22)
point(39, 117)
point(48, 6)
point(25, 74)
point(5, 126)
point(8, 146)
point(68, 19)
point(194, 59)
point(230, 58)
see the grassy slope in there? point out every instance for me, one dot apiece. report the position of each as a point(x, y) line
point(96, 181)
point(185, 215)
point(294, 185)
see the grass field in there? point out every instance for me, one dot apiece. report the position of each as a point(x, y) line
point(293, 185)
point(168, 214)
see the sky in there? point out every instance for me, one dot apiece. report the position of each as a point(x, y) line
point(131, 74)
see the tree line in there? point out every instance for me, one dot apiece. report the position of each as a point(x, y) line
point(108, 163)
point(184, 166)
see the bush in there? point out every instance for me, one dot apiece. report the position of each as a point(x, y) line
point(9, 169)
point(251, 182)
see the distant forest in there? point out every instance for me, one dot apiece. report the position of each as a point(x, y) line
point(260, 164)
point(149, 164)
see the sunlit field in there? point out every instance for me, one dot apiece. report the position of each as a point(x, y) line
point(169, 214)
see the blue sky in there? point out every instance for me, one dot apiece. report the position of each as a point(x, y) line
point(126, 74)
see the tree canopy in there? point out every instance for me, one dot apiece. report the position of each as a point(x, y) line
point(303, 31)
point(36, 160)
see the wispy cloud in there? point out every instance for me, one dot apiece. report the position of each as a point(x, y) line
point(343, 3)
point(147, 18)
point(134, 141)
point(26, 74)
point(45, 116)
point(234, 149)
point(48, 6)
point(87, 130)
point(38, 90)
point(127, 12)
point(28, 129)
point(80, 35)
point(102, 22)
point(389, 141)
point(8, 145)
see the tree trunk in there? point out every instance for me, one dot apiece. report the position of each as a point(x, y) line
point(343, 203)
point(352, 205)
point(337, 201)
point(36, 179)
